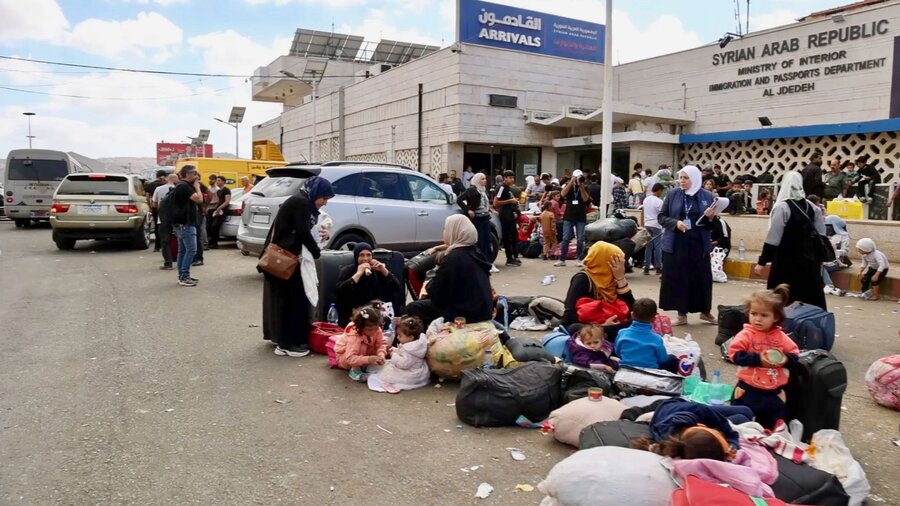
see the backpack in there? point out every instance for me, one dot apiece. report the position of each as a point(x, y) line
point(811, 327)
point(167, 208)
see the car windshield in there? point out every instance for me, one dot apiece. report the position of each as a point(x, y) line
point(29, 169)
point(278, 187)
point(93, 185)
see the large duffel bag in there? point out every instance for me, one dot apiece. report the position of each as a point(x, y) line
point(497, 397)
point(610, 230)
point(615, 433)
point(731, 321)
point(811, 327)
point(814, 391)
point(645, 381)
point(519, 350)
point(804, 484)
point(518, 305)
point(417, 269)
point(547, 310)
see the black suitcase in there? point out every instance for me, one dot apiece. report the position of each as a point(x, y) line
point(731, 321)
point(396, 264)
point(497, 397)
point(817, 384)
point(804, 484)
point(615, 433)
point(328, 266)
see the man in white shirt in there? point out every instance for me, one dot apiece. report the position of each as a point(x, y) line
point(165, 229)
point(653, 250)
point(467, 176)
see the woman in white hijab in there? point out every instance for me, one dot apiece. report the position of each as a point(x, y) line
point(475, 204)
point(792, 244)
point(687, 277)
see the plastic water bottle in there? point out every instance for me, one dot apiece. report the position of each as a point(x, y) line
point(332, 314)
point(488, 359)
point(742, 252)
point(715, 389)
point(503, 302)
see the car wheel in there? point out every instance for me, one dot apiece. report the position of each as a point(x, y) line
point(348, 241)
point(63, 243)
point(20, 223)
point(142, 237)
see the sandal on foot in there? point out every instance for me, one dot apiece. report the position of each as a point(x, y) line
point(708, 318)
point(681, 320)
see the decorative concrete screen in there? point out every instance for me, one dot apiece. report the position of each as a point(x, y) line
point(779, 155)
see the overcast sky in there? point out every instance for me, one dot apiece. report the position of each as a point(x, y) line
point(125, 114)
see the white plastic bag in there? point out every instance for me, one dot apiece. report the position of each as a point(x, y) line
point(830, 454)
point(687, 351)
point(323, 223)
point(309, 276)
point(717, 263)
point(527, 323)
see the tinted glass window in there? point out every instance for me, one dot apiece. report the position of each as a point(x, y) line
point(346, 185)
point(383, 185)
point(30, 169)
point(424, 190)
point(96, 185)
point(278, 187)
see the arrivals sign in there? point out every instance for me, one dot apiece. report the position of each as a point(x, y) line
point(505, 27)
point(167, 153)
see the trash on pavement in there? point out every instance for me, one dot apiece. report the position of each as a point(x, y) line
point(484, 490)
point(516, 454)
point(524, 487)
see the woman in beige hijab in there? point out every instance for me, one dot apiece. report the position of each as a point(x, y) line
point(462, 285)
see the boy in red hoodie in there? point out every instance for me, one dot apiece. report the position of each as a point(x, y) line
point(764, 352)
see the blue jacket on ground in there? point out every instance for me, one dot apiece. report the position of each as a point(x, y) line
point(638, 346)
point(673, 415)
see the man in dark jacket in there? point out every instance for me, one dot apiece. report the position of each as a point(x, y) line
point(868, 178)
point(149, 189)
point(812, 176)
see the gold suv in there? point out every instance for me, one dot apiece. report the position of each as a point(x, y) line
point(101, 206)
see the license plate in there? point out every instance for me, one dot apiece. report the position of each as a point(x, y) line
point(40, 214)
point(91, 209)
point(261, 218)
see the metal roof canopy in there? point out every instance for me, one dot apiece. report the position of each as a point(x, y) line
point(394, 52)
point(326, 44)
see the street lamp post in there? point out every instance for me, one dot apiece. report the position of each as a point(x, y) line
point(29, 137)
point(315, 87)
point(234, 119)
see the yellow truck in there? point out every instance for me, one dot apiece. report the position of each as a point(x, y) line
point(265, 155)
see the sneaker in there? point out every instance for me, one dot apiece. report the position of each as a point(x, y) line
point(166, 267)
point(646, 272)
point(578, 263)
point(494, 269)
point(559, 263)
point(187, 282)
point(681, 320)
point(358, 375)
point(197, 263)
point(195, 280)
point(292, 351)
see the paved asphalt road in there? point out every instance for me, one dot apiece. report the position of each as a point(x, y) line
point(119, 386)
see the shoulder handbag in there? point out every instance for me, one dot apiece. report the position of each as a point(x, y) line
point(824, 250)
point(276, 260)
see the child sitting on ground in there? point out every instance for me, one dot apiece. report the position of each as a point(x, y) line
point(689, 430)
point(638, 346)
point(874, 267)
point(548, 229)
point(589, 348)
point(763, 351)
point(406, 370)
point(362, 343)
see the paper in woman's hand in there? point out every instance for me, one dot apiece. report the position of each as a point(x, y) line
point(719, 205)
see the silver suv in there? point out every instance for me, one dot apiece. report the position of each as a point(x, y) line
point(389, 206)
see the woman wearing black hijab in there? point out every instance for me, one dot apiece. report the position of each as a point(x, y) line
point(286, 310)
point(363, 281)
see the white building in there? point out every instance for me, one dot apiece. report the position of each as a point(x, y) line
point(826, 82)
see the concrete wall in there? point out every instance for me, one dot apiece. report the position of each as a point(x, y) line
point(846, 97)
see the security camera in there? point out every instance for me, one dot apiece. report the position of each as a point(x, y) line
point(455, 48)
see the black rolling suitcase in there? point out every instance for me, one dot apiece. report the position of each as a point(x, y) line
point(396, 264)
point(328, 266)
point(804, 484)
point(817, 384)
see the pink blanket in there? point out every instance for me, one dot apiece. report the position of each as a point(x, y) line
point(752, 470)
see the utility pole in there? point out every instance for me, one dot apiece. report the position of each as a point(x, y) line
point(606, 142)
point(29, 136)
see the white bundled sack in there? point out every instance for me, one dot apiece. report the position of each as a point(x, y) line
point(645, 381)
point(717, 263)
point(608, 475)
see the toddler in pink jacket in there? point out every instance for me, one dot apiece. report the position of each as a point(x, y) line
point(362, 343)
